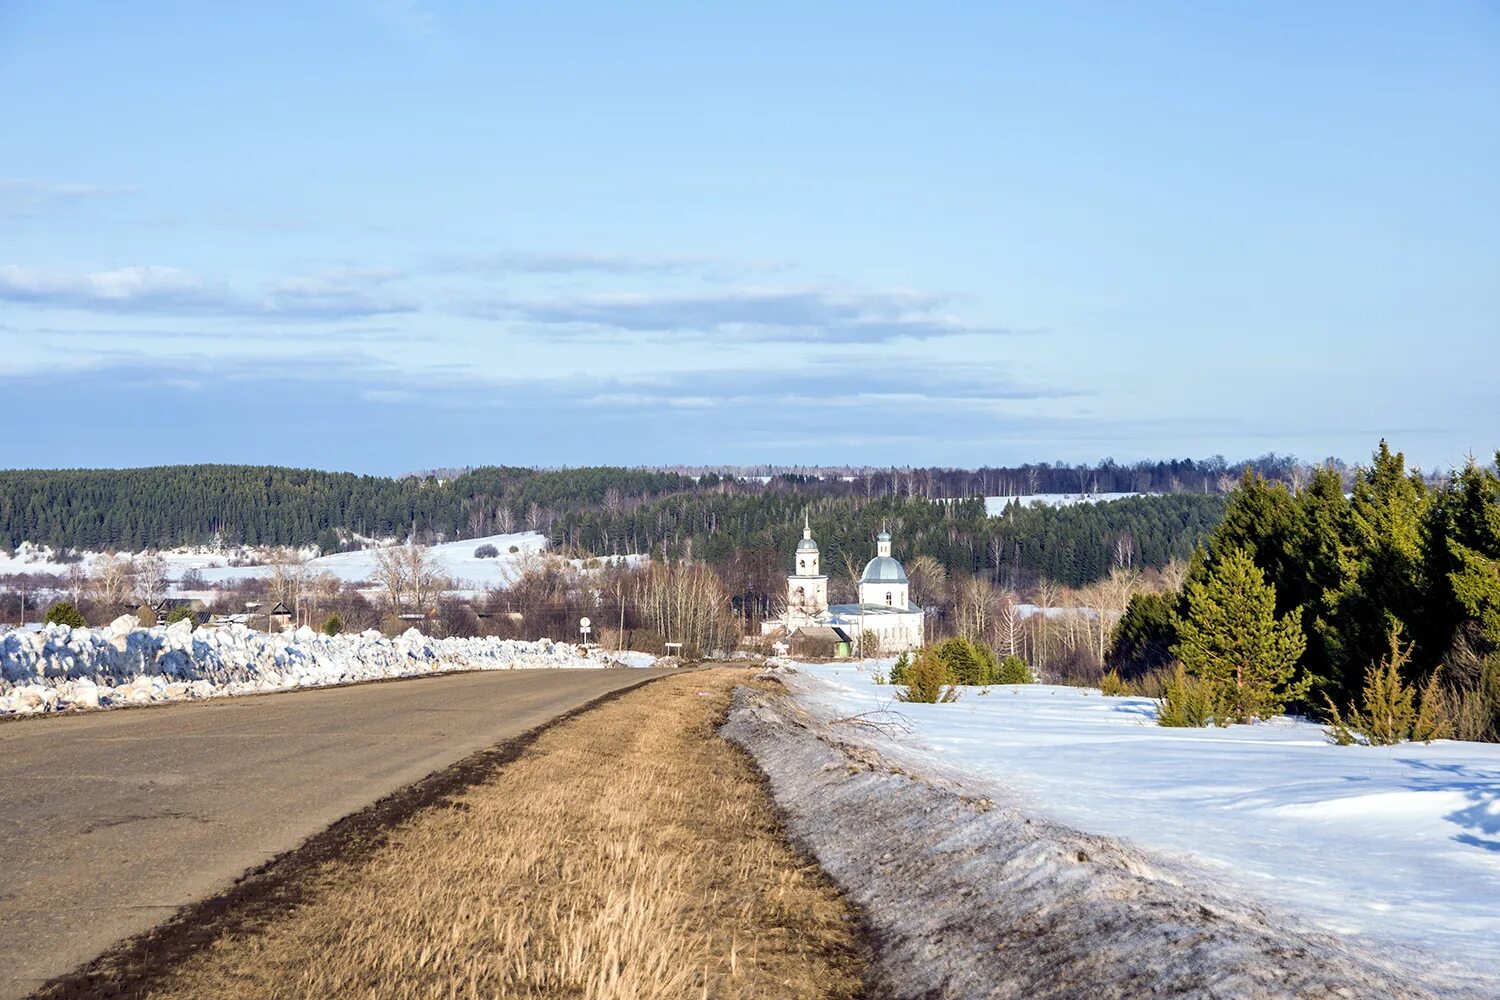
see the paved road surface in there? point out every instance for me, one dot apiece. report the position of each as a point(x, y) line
point(110, 821)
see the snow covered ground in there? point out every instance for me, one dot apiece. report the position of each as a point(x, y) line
point(1398, 843)
point(997, 505)
point(56, 667)
point(454, 559)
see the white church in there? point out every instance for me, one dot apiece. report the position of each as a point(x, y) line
point(884, 609)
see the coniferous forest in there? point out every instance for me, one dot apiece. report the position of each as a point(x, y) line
point(1392, 572)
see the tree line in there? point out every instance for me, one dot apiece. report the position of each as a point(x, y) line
point(1325, 599)
point(751, 537)
point(169, 506)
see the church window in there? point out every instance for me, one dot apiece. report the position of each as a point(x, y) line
point(888, 598)
point(802, 564)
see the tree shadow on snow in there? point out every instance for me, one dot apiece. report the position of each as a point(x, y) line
point(1480, 819)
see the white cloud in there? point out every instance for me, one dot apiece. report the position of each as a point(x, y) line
point(140, 282)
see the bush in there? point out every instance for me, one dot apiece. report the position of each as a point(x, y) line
point(901, 668)
point(1011, 670)
point(1111, 684)
point(1391, 714)
point(1189, 702)
point(486, 552)
point(514, 549)
point(968, 662)
point(929, 681)
point(65, 613)
point(333, 624)
point(182, 614)
point(146, 615)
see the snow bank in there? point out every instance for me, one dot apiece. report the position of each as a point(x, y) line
point(967, 896)
point(58, 667)
point(1389, 844)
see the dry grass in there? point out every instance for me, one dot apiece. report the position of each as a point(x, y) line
point(630, 853)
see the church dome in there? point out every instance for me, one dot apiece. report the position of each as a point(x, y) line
point(807, 545)
point(883, 569)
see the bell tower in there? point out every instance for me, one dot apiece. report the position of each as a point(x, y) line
point(807, 587)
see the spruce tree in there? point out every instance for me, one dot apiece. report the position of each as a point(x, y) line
point(1232, 639)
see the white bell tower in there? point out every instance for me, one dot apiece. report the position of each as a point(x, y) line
point(807, 588)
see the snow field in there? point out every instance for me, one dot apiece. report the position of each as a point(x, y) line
point(58, 668)
point(972, 896)
point(1395, 843)
point(994, 506)
point(454, 559)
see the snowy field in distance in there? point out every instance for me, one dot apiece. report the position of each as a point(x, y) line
point(1396, 842)
point(994, 506)
point(454, 559)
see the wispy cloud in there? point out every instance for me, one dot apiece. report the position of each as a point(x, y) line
point(523, 262)
point(803, 314)
point(155, 289)
point(24, 196)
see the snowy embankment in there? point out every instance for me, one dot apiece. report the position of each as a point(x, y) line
point(1394, 849)
point(969, 896)
point(59, 668)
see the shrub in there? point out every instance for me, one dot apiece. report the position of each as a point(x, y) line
point(969, 662)
point(487, 552)
point(65, 613)
point(1111, 684)
point(514, 549)
point(333, 624)
point(1189, 702)
point(1011, 670)
point(1390, 714)
point(929, 681)
point(146, 615)
point(901, 668)
point(182, 614)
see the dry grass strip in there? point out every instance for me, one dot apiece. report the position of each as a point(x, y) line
point(630, 853)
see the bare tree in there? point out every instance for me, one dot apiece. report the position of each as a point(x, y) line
point(1009, 625)
point(288, 577)
point(423, 581)
point(112, 580)
point(1173, 575)
point(1045, 596)
point(390, 573)
point(976, 602)
point(505, 521)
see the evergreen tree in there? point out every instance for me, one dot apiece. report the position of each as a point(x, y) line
point(1232, 639)
point(1145, 635)
point(65, 613)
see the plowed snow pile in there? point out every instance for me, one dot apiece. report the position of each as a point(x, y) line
point(59, 667)
point(971, 890)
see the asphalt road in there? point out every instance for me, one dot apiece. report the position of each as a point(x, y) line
point(111, 821)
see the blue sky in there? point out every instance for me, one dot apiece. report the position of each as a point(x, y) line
point(400, 234)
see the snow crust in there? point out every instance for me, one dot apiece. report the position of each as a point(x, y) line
point(969, 896)
point(1385, 844)
point(57, 667)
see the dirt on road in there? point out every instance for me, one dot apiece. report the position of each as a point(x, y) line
point(625, 852)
